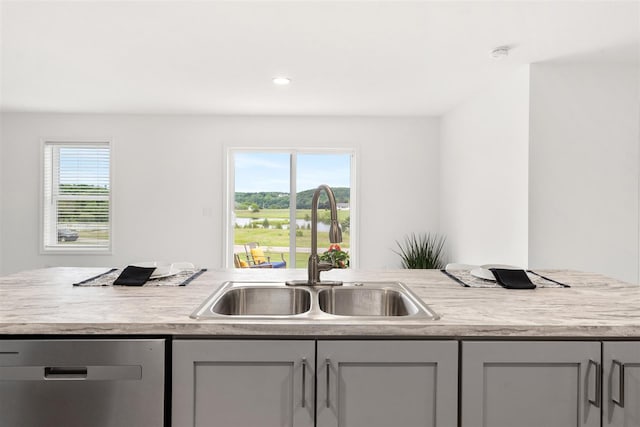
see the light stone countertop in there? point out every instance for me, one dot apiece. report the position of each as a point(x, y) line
point(44, 302)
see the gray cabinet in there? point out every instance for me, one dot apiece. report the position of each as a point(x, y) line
point(231, 383)
point(531, 384)
point(265, 383)
point(621, 381)
point(387, 383)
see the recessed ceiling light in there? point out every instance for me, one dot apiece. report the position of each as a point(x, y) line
point(281, 81)
point(500, 52)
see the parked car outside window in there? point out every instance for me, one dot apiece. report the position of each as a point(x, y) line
point(67, 235)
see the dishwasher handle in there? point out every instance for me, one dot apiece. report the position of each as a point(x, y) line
point(65, 373)
point(78, 373)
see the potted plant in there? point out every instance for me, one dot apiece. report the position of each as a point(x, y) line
point(422, 251)
point(336, 256)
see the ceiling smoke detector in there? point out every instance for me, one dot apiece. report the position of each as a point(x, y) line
point(500, 52)
point(281, 81)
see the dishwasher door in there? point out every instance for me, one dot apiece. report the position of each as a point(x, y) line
point(82, 383)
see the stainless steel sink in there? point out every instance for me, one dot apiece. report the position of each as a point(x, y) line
point(365, 302)
point(258, 301)
point(371, 301)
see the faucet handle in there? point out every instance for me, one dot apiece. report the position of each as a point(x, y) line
point(325, 266)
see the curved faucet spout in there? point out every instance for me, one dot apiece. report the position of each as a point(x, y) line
point(335, 234)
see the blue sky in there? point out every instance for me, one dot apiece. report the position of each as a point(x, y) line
point(256, 172)
point(88, 166)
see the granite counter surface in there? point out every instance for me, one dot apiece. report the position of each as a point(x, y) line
point(45, 302)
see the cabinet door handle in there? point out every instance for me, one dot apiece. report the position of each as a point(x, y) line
point(304, 381)
point(328, 365)
point(598, 373)
point(620, 401)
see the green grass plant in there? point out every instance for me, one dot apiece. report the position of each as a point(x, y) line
point(422, 251)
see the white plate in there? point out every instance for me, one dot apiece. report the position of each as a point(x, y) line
point(506, 267)
point(171, 272)
point(483, 273)
point(455, 266)
point(162, 269)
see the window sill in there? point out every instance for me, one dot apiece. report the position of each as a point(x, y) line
point(86, 250)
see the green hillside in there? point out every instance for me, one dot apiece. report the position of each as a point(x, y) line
point(275, 200)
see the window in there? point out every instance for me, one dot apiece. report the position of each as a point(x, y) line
point(270, 202)
point(76, 196)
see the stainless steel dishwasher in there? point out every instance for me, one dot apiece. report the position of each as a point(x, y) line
point(82, 383)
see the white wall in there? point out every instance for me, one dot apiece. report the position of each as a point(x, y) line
point(1, 193)
point(583, 204)
point(483, 174)
point(168, 172)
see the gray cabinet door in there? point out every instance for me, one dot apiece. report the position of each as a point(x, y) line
point(621, 361)
point(230, 383)
point(531, 384)
point(387, 383)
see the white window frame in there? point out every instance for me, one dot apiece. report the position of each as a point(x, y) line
point(48, 198)
point(229, 191)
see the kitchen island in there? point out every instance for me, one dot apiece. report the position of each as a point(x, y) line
point(495, 357)
point(45, 302)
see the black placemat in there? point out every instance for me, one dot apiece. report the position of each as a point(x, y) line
point(464, 278)
point(107, 278)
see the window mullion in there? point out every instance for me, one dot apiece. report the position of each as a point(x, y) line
point(55, 194)
point(292, 210)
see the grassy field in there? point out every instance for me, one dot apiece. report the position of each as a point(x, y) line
point(280, 238)
point(274, 237)
point(269, 238)
point(94, 234)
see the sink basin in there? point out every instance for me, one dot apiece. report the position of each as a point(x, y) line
point(263, 301)
point(362, 301)
point(365, 302)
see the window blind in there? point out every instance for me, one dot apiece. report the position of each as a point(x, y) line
point(77, 192)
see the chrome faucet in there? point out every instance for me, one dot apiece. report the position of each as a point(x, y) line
point(335, 236)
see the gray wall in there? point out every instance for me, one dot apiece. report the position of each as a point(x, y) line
point(483, 174)
point(583, 163)
point(1, 195)
point(168, 181)
point(571, 201)
point(541, 170)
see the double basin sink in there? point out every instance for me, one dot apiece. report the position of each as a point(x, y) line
point(275, 300)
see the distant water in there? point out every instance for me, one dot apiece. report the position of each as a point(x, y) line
point(302, 223)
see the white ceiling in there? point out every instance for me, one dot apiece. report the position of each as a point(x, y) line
point(344, 58)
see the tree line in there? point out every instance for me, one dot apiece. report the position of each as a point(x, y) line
point(276, 200)
point(83, 211)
